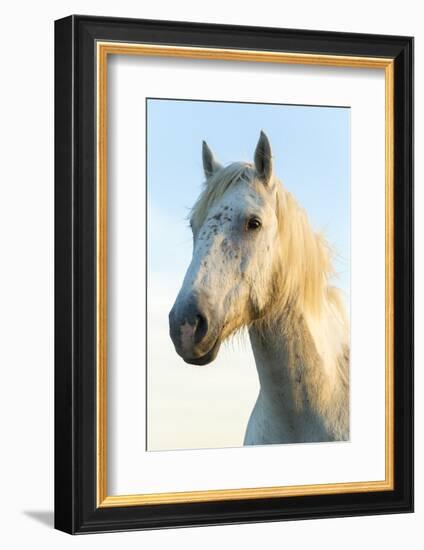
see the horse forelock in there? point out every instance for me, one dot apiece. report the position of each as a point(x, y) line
point(216, 186)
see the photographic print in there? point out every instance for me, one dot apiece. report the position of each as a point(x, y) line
point(248, 232)
point(233, 274)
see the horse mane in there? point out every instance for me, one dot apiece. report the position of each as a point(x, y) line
point(302, 278)
point(304, 267)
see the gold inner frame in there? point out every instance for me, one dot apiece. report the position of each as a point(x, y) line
point(104, 49)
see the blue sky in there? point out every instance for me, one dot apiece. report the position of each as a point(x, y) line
point(311, 151)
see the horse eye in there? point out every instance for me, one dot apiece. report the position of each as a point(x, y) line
point(253, 224)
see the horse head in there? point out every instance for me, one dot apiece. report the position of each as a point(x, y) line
point(235, 227)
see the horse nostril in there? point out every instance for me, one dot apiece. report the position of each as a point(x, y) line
point(201, 328)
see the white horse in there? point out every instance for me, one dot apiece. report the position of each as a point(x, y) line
point(258, 264)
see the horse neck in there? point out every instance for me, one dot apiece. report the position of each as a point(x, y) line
point(301, 374)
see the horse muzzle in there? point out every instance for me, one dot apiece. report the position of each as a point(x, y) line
point(195, 337)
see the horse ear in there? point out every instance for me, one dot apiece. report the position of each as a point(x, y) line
point(210, 164)
point(263, 158)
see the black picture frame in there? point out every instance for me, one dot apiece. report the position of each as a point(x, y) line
point(76, 508)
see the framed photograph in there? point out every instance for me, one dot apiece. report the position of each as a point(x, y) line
point(234, 274)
